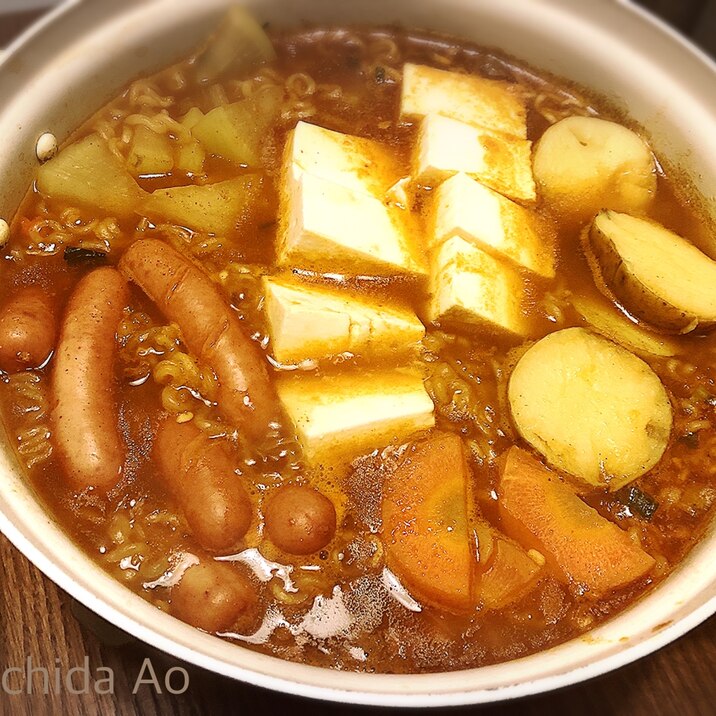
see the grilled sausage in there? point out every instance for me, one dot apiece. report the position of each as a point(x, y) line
point(212, 596)
point(84, 413)
point(210, 330)
point(299, 519)
point(28, 329)
point(200, 475)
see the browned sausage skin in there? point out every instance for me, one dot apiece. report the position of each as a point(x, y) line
point(84, 414)
point(28, 329)
point(212, 596)
point(200, 475)
point(299, 519)
point(210, 330)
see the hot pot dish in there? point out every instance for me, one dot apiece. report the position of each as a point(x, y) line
point(367, 348)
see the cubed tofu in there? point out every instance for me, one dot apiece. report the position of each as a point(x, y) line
point(328, 227)
point(465, 208)
point(474, 100)
point(312, 322)
point(346, 414)
point(354, 162)
point(446, 146)
point(470, 288)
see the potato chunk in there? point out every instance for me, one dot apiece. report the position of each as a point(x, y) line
point(239, 44)
point(542, 512)
point(590, 407)
point(607, 320)
point(86, 173)
point(238, 131)
point(214, 208)
point(149, 152)
point(657, 275)
point(425, 523)
point(584, 164)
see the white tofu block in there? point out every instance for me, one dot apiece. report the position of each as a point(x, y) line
point(474, 100)
point(465, 208)
point(313, 322)
point(353, 413)
point(446, 146)
point(471, 288)
point(354, 162)
point(328, 227)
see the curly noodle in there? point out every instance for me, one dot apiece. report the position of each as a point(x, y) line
point(30, 405)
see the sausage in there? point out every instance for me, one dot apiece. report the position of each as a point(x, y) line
point(210, 329)
point(84, 411)
point(199, 473)
point(299, 519)
point(28, 329)
point(212, 596)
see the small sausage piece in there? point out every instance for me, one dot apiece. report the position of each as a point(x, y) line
point(210, 330)
point(28, 329)
point(212, 596)
point(200, 475)
point(300, 520)
point(84, 410)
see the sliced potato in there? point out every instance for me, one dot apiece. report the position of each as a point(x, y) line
point(239, 44)
point(607, 320)
point(87, 173)
point(657, 275)
point(425, 523)
point(590, 407)
point(149, 152)
point(190, 158)
point(237, 131)
point(541, 512)
point(584, 164)
point(192, 118)
point(213, 208)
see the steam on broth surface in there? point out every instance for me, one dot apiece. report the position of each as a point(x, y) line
point(363, 347)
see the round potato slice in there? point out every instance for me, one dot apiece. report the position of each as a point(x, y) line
point(584, 164)
point(590, 407)
point(657, 275)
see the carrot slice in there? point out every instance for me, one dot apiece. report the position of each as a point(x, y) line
point(540, 511)
point(510, 574)
point(425, 523)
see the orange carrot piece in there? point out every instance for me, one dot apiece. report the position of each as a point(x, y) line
point(510, 574)
point(425, 523)
point(540, 511)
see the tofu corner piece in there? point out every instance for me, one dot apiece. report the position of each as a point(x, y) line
point(465, 208)
point(446, 146)
point(313, 322)
point(341, 415)
point(354, 162)
point(473, 100)
point(329, 227)
point(470, 288)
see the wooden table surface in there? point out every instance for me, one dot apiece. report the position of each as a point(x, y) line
point(40, 622)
